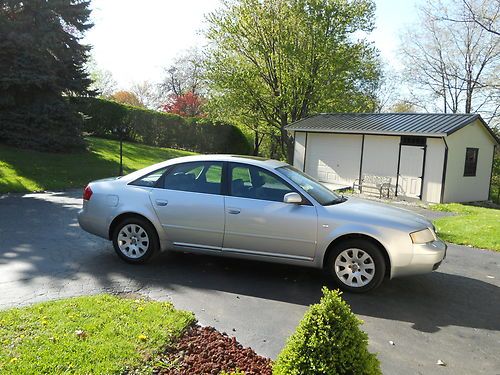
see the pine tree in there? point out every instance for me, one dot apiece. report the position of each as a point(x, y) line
point(41, 67)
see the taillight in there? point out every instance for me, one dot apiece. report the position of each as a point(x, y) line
point(87, 193)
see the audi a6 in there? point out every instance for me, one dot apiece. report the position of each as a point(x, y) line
point(261, 209)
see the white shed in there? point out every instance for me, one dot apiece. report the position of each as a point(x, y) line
point(433, 157)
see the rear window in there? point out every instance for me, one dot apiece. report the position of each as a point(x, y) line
point(150, 179)
point(197, 177)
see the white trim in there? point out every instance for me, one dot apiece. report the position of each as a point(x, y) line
point(338, 131)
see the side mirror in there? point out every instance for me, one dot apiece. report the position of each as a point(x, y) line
point(293, 198)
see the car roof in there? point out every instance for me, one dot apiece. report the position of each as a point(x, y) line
point(247, 159)
point(252, 160)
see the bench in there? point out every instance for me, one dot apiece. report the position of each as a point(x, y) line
point(374, 185)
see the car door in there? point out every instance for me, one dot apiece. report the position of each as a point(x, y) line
point(259, 222)
point(190, 206)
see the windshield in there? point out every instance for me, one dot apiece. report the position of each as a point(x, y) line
point(315, 189)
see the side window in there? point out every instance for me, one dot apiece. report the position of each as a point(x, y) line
point(198, 177)
point(470, 161)
point(150, 179)
point(248, 181)
point(243, 174)
point(214, 174)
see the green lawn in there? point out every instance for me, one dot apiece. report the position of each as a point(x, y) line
point(100, 334)
point(475, 226)
point(25, 171)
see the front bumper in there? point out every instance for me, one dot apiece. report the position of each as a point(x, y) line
point(426, 258)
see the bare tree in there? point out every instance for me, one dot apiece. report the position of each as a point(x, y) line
point(388, 90)
point(184, 75)
point(456, 63)
point(485, 13)
point(148, 94)
point(102, 80)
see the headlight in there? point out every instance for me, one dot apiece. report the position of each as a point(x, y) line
point(423, 236)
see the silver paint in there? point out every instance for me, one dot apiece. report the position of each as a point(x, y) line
point(246, 228)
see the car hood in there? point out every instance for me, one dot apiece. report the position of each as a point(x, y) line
point(370, 212)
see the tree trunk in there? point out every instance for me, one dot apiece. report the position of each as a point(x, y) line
point(468, 97)
point(287, 145)
point(274, 144)
point(290, 143)
point(256, 143)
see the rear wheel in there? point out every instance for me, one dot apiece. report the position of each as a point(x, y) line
point(356, 265)
point(135, 240)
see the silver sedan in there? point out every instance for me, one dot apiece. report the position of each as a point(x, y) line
point(254, 208)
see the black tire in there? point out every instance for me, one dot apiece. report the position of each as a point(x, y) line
point(365, 246)
point(145, 252)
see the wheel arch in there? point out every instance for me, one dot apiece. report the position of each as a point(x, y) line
point(349, 236)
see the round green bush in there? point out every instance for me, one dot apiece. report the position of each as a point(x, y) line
point(328, 340)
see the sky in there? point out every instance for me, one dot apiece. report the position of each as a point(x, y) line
point(135, 40)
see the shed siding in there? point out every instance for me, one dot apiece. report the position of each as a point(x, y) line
point(333, 158)
point(433, 175)
point(459, 188)
point(380, 156)
point(299, 152)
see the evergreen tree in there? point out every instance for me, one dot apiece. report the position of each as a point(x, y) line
point(41, 67)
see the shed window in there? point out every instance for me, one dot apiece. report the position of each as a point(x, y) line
point(413, 141)
point(470, 161)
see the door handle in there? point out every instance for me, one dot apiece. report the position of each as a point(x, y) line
point(161, 203)
point(233, 211)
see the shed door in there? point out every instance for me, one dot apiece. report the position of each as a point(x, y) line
point(333, 158)
point(410, 171)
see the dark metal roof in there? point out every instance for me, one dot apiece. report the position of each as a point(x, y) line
point(429, 124)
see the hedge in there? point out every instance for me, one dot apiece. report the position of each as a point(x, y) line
point(328, 340)
point(103, 118)
point(43, 125)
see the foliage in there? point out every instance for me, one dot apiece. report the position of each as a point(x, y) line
point(41, 62)
point(26, 170)
point(474, 226)
point(187, 105)
point(126, 97)
point(100, 334)
point(451, 63)
point(161, 129)
point(328, 340)
point(273, 62)
point(403, 107)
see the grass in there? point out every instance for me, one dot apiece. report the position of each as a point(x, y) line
point(28, 171)
point(475, 226)
point(116, 334)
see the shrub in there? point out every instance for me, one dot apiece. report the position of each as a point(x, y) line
point(47, 125)
point(154, 128)
point(328, 340)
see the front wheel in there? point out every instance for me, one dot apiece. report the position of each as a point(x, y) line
point(135, 240)
point(356, 265)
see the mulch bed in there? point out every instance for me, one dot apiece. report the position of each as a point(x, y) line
point(204, 350)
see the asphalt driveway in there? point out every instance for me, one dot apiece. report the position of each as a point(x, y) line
point(451, 315)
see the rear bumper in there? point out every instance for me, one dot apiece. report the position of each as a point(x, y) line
point(426, 258)
point(94, 224)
